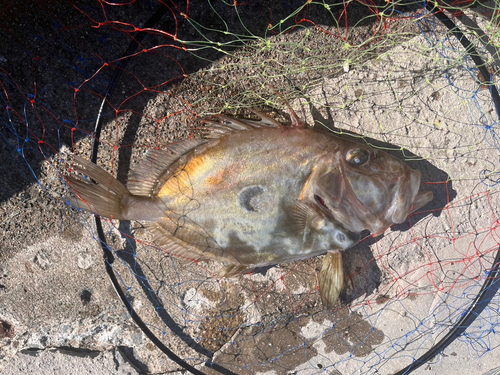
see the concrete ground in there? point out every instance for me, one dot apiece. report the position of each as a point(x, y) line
point(59, 313)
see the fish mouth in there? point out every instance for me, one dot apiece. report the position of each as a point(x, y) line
point(321, 202)
point(410, 198)
point(422, 198)
point(392, 206)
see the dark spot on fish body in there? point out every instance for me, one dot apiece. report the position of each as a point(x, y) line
point(256, 199)
point(247, 195)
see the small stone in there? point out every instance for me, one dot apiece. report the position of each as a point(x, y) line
point(42, 260)
point(85, 260)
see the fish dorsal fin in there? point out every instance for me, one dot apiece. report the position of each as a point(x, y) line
point(265, 120)
point(151, 171)
point(229, 124)
point(145, 177)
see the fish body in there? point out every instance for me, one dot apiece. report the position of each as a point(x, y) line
point(238, 198)
point(259, 194)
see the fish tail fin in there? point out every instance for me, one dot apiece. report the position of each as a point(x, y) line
point(104, 197)
point(331, 278)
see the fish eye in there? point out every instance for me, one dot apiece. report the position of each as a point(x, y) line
point(357, 157)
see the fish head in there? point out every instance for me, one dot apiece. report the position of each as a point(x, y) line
point(364, 188)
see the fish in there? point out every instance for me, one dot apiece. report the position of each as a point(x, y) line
point(256, 193)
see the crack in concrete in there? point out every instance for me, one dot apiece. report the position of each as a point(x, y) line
point(67, 350)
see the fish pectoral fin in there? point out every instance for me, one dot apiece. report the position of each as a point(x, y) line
point(176, 246)
point(303, 216)
point(232, 270)
point(331, 278)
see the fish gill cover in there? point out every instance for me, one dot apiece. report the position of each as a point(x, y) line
point(385, 73)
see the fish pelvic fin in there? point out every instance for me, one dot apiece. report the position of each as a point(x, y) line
point(102, 197)
point(331, 278)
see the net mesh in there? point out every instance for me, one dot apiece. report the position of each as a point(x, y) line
point(387, 73)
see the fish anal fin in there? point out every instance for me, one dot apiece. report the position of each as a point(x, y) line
point(231, 270)
point(175, 246)
point(331, 278)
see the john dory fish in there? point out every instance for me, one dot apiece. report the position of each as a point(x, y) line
point(257, 193)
